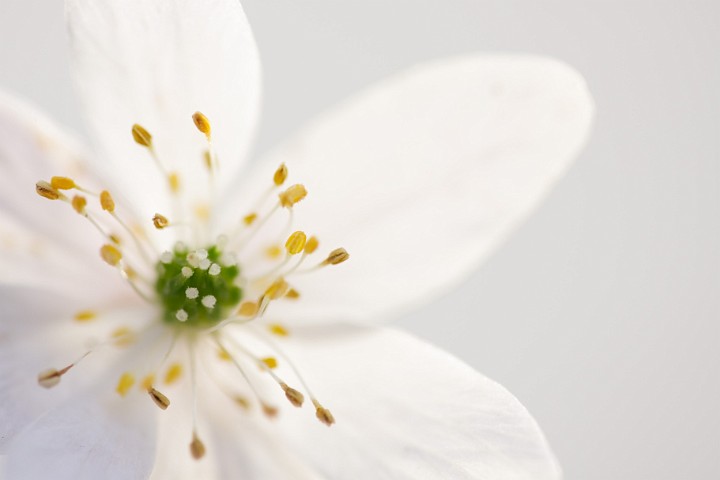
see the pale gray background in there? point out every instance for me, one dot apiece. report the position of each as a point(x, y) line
point(601, 313)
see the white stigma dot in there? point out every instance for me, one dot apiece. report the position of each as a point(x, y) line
point(192, 292)
point(181, 315)
point(214, 269)
point(208, 301)
point(193, 259)
point(187, 272)
point(201, 253)
point(166, 257)
point(205, 263)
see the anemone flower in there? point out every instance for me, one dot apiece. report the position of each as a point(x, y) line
point(223, 331)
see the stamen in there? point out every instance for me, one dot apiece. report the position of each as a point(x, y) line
point(294, 396)
point(51, 377)
point(292, 195)
point(278, 289)
point(174, 182)
point(147, 382)
point(279, 330)
point(270, 362)
point(296, 243)
point(248, 309)
point(110, 255)
point(173, 373)
point(160, 400)
point(337, 256)
point(125, 383)
point(44, 189)
point(197, 447)
point(62, 183)
point(249, 219)
point(311, 245)
point(280, 175)
point(323, 414)
point(202, 123)
point(79, 203)
point(85, 315)
point(141, 136)
point(106, 201)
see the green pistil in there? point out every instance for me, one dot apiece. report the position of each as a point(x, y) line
point(172, 285)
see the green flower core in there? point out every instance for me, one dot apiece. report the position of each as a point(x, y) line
point(197, 288)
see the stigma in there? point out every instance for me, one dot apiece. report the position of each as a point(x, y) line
point(199, 297)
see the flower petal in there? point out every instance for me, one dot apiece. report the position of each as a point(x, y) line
point(156, 63)
point(86, 439)
point(422, 176)
point(406, 410)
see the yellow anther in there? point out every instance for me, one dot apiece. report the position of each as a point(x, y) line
point(62, 183)
point(250, 219)
point(174, 372)
point(311, 245)
point(79, 203)
point(207, 157)
point(339, 255)
point(49, 378)
point(273, 251)
point(270, 362)
point(224, 355)
point(295, 243)
point(279, 330)
point(160, 400)
point(277, 289)
point(280, 175)
point(292, 195)
point(85, 316)
point(125, 383)
point(110, 255)
point(292, 294)
point(106, 201)
point(130, 273)
point(147, 382)
point(202, 123)
point(123, 337)
point(269, 410)
point(141, 136)
point(197, 448)
point(295, 397)
point(44, 189)
point(323, 414)
point(160, 221)
point(248, 309)
point(241, 401)
point(174, 182)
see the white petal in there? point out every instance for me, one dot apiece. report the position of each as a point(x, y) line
point(422, 176)
point(156, 63)
point(406, 410)
point(33, 148)
point(86, 439)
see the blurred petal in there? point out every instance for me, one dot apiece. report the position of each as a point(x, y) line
point(422, 176)
point(86, 439)
point(156, 63)
point(407, 410)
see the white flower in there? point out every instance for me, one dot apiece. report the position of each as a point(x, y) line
point(420, 177)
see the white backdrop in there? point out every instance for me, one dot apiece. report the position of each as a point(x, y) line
point(601, 313)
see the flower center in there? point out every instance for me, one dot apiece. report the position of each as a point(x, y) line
point(196, 287)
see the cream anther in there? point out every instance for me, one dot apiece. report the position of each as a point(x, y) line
point(294, 396)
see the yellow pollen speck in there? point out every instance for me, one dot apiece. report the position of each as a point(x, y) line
point(197, 448)
point(202, 212)
point(292, 294)
point(270, 362)
point(279, 330)
point(160, 400)
point(242, 401)
point(296, 242)
point(248, 309)
point(174, 182)
point(147, 382)
point(106, 201)
point(224, 355)
point(110, 255)
point(160, 221)
point(250, 219)
point(337, 256)
point(202, 123)
point(62, 183)
point(123, 337)
point(44, 189)
point(292, 195)
point(141, 136)
point(311, 245)
point(280, 175)
point(173, 373)
point(273, 251)
point(79, 203)
point(278, 289)
point(115, 239)
point(85, 316)
point(207, 157)
point(130, 273)
point(125, 383)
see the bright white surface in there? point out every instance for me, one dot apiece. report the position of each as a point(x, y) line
point(601, 313)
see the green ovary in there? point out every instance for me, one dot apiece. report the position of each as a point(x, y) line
point(206, 282)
